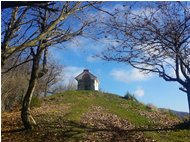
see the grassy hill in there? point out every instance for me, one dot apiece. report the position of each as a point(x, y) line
point(94, 116)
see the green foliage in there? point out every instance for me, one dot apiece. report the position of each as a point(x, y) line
point(35, 102)
point(131, 97)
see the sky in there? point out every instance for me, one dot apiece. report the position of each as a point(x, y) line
point(120, 78)
point(117, 78)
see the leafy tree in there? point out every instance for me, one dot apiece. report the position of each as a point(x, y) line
point(153, 37)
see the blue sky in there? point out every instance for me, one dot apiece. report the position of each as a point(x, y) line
point(118, 78)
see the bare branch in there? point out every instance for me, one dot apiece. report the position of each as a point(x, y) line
point(153, 39)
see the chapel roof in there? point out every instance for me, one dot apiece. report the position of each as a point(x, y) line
point(85, 72)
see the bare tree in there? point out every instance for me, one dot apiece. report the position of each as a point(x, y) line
point(61, 87)
point(35, 30)
point(153, 37)
point(14, 82)
point(13, 86)
point(20, 30)
point(50, 79)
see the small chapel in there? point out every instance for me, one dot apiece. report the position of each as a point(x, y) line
point(87, 81)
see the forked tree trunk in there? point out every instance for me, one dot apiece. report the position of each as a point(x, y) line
point(27, 119)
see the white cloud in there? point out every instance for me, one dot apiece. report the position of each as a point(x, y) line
point(82, 44)
point(109, 41)
point(169, 66)
point(70, 72)
point(92, 58)
point(139, 92)
point(77, 43)
point(129, 76)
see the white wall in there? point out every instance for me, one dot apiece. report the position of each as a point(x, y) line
point(96, 85)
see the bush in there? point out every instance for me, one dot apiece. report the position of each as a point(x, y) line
point(151, 107)
point(131, 97)
point(35, 102)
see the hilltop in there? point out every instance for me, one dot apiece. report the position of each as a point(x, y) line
point(94, 116)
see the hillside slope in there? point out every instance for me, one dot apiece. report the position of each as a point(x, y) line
point(94, 116)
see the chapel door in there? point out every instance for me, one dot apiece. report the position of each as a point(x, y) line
point(87, 82)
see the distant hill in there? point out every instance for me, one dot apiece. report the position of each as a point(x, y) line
point(180, 114)
point(94, 116)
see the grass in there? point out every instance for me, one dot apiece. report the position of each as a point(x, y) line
point(82, 100)
point(35, 102)
point(60, 116)
point(170, 136)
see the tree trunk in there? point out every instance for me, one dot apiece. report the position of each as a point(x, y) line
point(27, 119)
point(45, 91)
point(188, 98)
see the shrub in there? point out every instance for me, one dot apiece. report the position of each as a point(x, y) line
point(151, 107)
point(35, 102)
point(131, 97)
